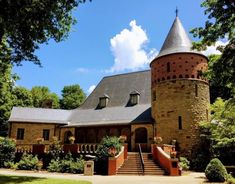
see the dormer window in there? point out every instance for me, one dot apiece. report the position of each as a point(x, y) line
point(104, 101)
point(134, 97)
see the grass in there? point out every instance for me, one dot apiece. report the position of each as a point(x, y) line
point(11, 179)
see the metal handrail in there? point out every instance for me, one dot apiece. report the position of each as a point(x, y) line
point(141, 158)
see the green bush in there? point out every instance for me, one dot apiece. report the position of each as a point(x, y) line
point(54, 166)
point(231, 180)
point(184, 163)
point(55, 149)
point(10, 165)
point(106, 144)
point(7, 150)
point(215, 171)
point(28, 162)
point(67, 165)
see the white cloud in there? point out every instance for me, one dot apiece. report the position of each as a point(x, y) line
point(82, 70)
point(91, 88)
point(212, 49)
point(129, 49)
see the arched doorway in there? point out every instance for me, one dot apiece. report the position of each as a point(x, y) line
point(141, 137)
point(67, 134)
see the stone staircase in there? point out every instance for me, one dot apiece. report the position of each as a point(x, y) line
point(132, 165)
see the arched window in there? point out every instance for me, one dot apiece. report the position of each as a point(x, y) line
point(141, 135)
point(168, 67)
point(186, 76)
point(180, 76)
point(174, 77)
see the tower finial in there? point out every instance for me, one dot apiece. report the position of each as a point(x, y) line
point(176, 12)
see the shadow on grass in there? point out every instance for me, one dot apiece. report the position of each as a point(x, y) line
point(6, 179)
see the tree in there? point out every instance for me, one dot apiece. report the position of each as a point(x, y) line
point(43, 98)
point(6, 85)
point(218, 88)
point(220, 132)
point(22, 97)
point(220, 24)
point(72, 97)
point(29, 23)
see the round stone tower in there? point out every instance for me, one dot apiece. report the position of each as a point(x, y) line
point(180, 94)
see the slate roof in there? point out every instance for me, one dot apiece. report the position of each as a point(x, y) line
point(119, 88)
point(39, 115)
point(117, 112)
point(118, 115)
point(177, 41)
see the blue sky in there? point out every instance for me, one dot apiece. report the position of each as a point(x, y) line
point(110, 37)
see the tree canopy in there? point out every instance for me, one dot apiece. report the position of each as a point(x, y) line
point(27, 24)
point(218, 88)
point(43, 98)
point(72, 97)
point(220, 132)
point(22, 97)
point(220, 24)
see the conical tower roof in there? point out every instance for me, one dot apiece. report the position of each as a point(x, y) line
point(177, 40)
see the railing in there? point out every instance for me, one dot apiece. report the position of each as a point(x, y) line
point(81, 148)
point(141, 158)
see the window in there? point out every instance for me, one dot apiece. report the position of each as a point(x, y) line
point(20, 134)
point(104, 101)
point(196, 90)
point(154, 96)
point(180, 122)
point(46, 134)
point(168, 67)
point(134, 97)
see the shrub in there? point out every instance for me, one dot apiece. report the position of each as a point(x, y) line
point(10, 165)
point(67, 165)
point(7, 150)
point(230, 180)
point(28, 162)
point(184, 163)
point(215, 171)
point(55, 149)
point(54, 166)
point(108, 144)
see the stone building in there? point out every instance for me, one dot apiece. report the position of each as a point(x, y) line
point(167, 101)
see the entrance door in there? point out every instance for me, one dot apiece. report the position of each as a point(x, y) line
point(141, 137)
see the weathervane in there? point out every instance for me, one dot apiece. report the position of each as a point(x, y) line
point(176, 11)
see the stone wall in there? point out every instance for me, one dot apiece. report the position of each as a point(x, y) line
point(182, 97)
point(149, 128)
point(32, 131)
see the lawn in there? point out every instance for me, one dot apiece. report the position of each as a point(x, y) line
point(10, 179)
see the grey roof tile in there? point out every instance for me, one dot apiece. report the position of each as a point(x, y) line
point(39, 115)
point(111, 115)
point(119, 88)
point(177, 41)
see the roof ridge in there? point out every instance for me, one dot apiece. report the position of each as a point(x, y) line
point(126, 73)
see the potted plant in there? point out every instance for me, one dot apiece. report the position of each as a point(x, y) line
point(71, 139)
point(39, 148)
point(122, 139)
point(40, 140)
point(112, 151)
point(157, 140)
